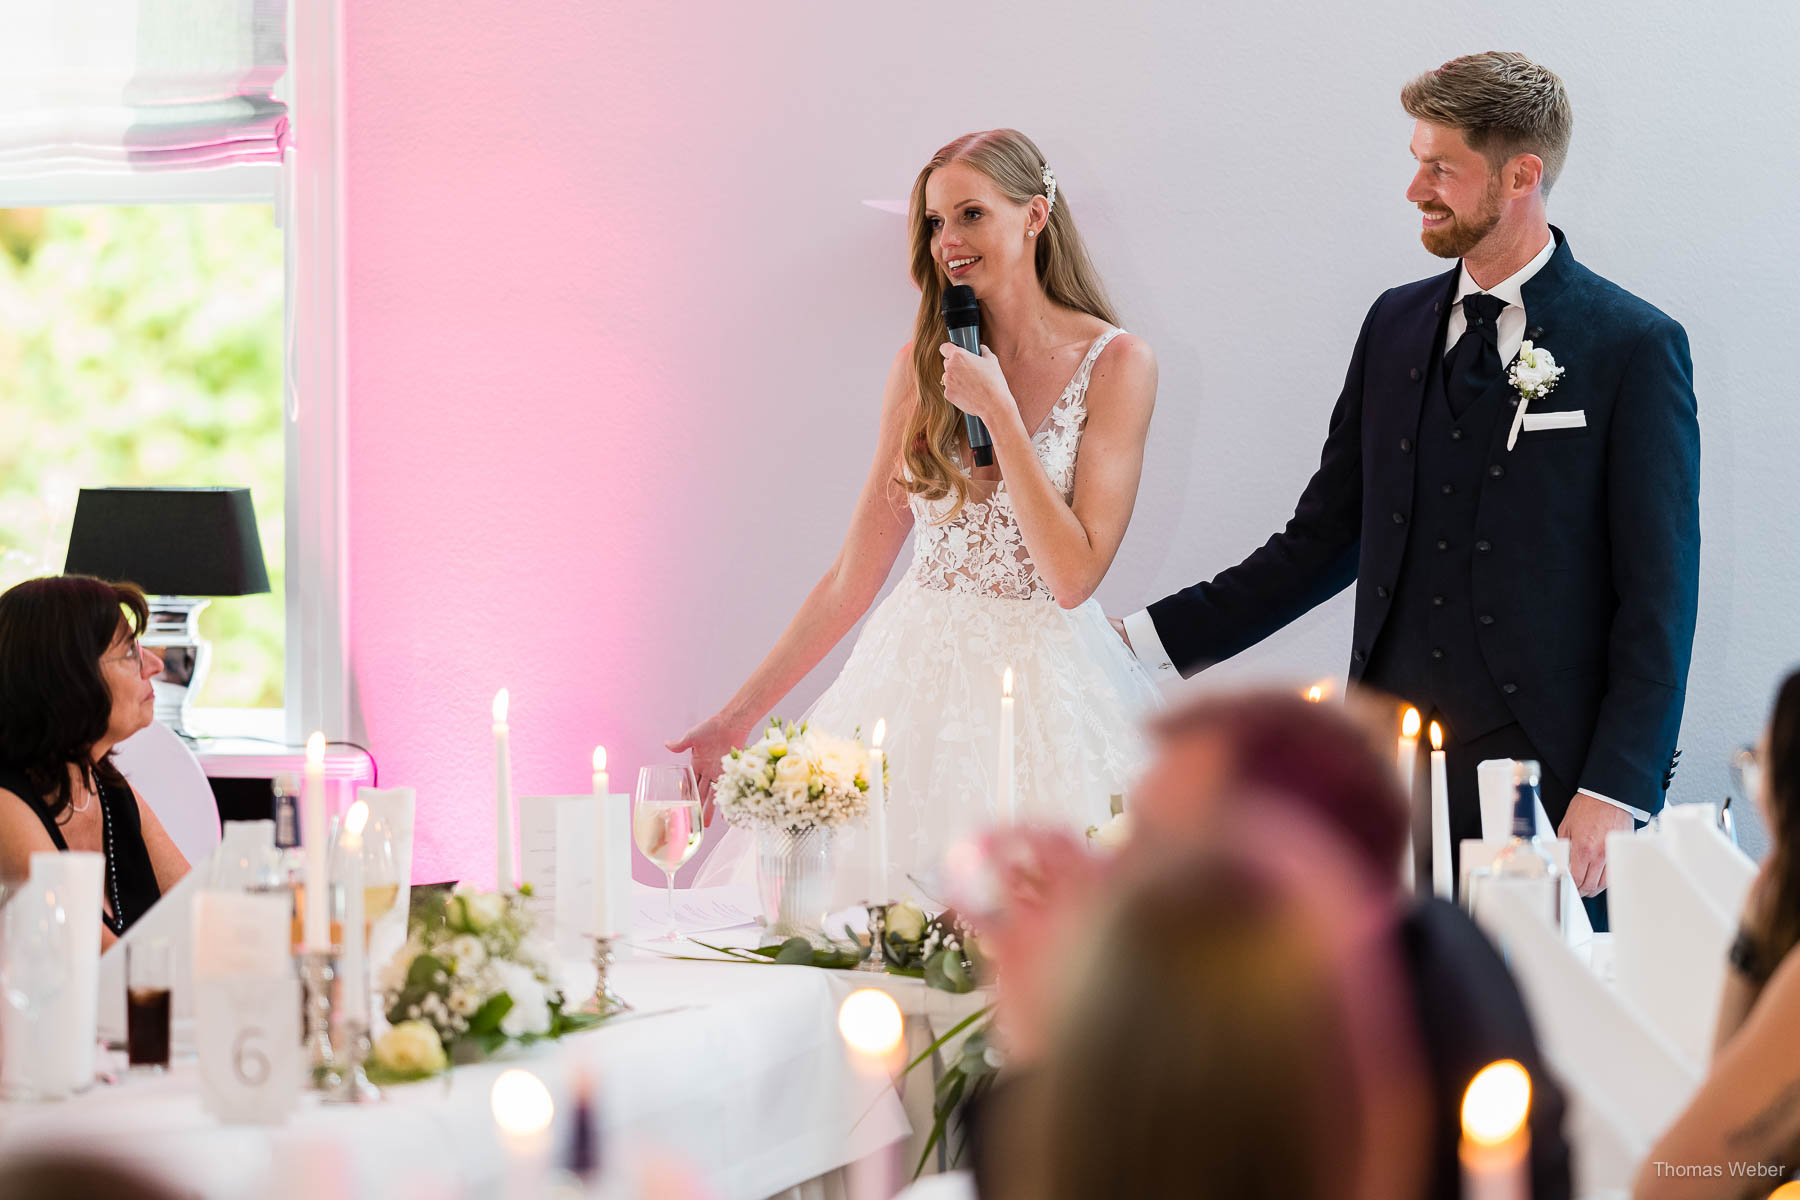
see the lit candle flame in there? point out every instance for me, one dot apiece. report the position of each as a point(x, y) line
point(1315, 693)
point(356, 818)
point(1497, 1103)
point(880, 733)
point(501, 700)
point(599, 758)
point(521, 1103)
point(1437, 736)
point(1006, 684)
point(315, 749)
point(1410, 726)
point(870, 1022)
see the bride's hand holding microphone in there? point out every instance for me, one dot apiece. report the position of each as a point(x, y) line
point(977, 386)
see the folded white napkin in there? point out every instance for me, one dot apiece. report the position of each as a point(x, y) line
point(1669, 941)
point(1625, 1082)
point(1718, 868)
point(1576, 419)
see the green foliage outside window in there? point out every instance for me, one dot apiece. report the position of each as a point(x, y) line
point(141, 346)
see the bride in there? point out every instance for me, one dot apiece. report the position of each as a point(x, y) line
point(1005, 559)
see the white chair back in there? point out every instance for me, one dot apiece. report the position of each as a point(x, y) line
point(170, 779)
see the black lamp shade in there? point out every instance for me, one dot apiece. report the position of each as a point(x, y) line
point(169, 541)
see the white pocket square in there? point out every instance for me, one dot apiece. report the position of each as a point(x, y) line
point(1555, 420)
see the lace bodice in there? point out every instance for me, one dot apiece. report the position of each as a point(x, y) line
point(980, 549)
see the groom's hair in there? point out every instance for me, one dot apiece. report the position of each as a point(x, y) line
point(1503, 103)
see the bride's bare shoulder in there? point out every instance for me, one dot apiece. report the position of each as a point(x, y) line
point(1125, 363)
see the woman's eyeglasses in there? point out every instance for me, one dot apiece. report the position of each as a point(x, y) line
point(133, 655)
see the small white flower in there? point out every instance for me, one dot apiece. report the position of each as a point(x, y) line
point(530, 1012)
point(463, 1002)
point(468, 952)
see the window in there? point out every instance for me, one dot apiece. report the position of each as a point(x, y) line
point(142, 345)
point(160, 127)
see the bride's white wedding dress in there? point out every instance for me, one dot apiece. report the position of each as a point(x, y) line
point(930, 659)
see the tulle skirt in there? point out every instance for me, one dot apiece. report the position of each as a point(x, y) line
point(930, 663)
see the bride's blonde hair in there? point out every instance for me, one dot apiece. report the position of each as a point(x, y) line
point(1018, 168)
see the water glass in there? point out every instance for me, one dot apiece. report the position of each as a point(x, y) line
point(667, 824)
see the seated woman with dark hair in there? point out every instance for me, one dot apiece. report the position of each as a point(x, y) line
point(74, 683)
point(1747, 1110)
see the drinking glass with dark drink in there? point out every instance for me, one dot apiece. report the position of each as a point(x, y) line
point(149, 974)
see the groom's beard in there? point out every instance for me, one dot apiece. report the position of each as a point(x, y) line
point(1463, 234)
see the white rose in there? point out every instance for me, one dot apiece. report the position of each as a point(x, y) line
point(906, 921)
point(483, 909)
point(1110, 836)
point(791, 773)
point(464, 1002)
point(841, 759)
point(411, 1047)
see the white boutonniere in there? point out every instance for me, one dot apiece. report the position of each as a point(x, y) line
point(1534, 373)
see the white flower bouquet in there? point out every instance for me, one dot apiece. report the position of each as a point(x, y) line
point(794, 778)
point(471, 978)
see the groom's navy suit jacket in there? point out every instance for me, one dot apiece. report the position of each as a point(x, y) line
point(1587, 572)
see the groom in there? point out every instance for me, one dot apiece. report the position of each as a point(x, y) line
point(1526, 567)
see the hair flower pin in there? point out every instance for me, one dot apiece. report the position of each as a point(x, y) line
point(1049, 178)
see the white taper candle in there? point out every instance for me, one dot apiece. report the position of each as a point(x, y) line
point(316, 930)
point(504, 876)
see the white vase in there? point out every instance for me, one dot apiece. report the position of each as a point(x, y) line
point(793, 881)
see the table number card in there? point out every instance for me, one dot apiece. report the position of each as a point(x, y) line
point(558, 858)
point(246, 1007)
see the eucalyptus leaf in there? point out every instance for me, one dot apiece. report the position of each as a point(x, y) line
point(795, 952)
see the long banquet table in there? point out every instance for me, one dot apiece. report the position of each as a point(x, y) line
point(737, 1070)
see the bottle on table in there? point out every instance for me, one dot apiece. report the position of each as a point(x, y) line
point(1523, 867)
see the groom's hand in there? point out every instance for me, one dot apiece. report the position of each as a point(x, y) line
point(1119, 628)
point(1586, 825)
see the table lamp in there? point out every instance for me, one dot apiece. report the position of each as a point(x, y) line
point(181, 545)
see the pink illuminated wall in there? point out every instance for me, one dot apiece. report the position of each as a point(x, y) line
point(618, 319)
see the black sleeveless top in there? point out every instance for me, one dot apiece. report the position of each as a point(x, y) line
point(130, 879)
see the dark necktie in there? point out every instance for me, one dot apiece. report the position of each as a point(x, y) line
point(1473, 364)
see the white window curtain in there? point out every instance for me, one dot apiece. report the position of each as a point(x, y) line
point(125, 86)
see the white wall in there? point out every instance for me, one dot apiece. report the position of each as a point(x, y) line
point(1238, 171)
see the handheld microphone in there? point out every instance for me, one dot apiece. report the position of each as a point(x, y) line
point(962, 317)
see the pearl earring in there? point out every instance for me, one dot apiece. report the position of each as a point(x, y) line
point(1031, 233)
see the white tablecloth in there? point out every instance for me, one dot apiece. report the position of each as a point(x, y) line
point(747, 1082)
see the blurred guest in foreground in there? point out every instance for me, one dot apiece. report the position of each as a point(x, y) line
point(1746, 1114)
point(67, 1177)
point(1229, 1028)
point(74, 683)
point(1223, 765)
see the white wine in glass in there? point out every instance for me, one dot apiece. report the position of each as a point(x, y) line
point(667, 825)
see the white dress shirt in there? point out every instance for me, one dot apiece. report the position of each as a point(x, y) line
point(1509, 331)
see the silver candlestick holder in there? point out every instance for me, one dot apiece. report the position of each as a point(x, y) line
point(877, 960)
point(605, 1002)
point(353, 1086)
point(318, 970)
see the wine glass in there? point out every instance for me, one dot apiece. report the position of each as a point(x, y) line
point(380, 873)
point(667, 824)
